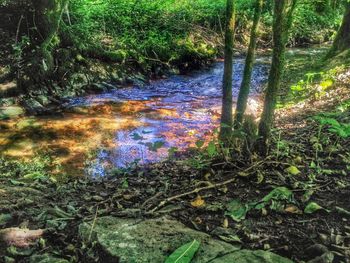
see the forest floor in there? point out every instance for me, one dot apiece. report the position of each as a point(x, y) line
point(294, 202)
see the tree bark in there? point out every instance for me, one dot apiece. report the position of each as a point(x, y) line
point(283, 14)
point(48, 17)
point(226, 114)
point(342, 40)
point(248, 68)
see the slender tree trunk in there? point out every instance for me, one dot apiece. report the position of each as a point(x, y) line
point(283, 14)
point(342, 40)
point(247, 74)
point(226, 114)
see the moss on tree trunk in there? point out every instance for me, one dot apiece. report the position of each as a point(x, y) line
point(283, 14)
point(48, 14)
point(247, 74)
point(342, 40)
point(226, 114)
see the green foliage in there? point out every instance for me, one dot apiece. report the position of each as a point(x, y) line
point(315, 85)
point(32, 170)
point(315, 21)
point(276, 199)
point(147, 32)
point(341, 130)
point(184, 254)
point(176, 32)
point(236, 210)
point(312, 207)
point(293, 170)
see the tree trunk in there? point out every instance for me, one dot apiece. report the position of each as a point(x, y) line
point(283, 12)
point(48, 17)
point(248, 68)
point(226, 114)
point(342, 40)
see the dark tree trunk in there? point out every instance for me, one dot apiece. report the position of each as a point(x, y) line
point(342, 40)
point(283, 12)
point(247, 74)
point(226, 114)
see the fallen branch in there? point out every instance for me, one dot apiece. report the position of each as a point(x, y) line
point(197, 190)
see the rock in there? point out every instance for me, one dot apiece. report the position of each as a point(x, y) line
point(43, 100)
point(327, 257)
point(315, 251)
point(138, 80)
point(250, 256)
point(18, 237)
point(32, 106)
point(10, 112)
point(46, 259)
point(109, 86)
point(102, 87)
point(131, 240)
point(7, 101)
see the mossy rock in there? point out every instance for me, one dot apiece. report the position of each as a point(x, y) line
point(131, 240)
point(10, 112)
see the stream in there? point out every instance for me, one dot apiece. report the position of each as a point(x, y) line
point(171, 114)
point(130, 125)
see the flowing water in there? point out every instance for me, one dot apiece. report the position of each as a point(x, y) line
point(174, 112)
point(131, 124)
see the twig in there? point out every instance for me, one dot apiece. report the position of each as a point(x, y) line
point(150, 199)
point(93, 224)
point(195, 191)
point(18, 28)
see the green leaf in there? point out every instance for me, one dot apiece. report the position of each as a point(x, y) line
point(293, 170)
point(277, 199)
point(312, 207)
point(326, 83)
point(211, 149)
point(34, 176)
point(125, 184)
point(184, 254)
point(236, 210)
point(279, 193)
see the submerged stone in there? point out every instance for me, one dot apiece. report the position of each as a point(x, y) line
point(131, 240)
